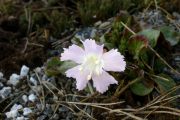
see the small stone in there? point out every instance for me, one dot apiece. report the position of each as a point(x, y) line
point(16, 107)
point(6, 91)
point(20, 118)
point(33, 81)
point(25, 98)
point(24, 71)
point(1, 75)
point(12, 114)
point(32, 98)
point(1, 85)
point(26, 111)
point(14, 79)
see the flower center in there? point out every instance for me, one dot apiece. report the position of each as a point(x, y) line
point(93, 64)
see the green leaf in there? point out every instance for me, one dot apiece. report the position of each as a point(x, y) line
point(139, 88)
point(164, 82)
point(52, 66)
point(66, 65)
point(152, 36)
point(170, 35)
point(136, 44)
point(55, 66)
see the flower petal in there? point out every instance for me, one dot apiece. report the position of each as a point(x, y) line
point(90, 46)
point(74, 53)
point(80, 76)
point(101, 82)
point(113, 61)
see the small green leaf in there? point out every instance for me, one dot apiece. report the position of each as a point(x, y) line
point(52, 66)
point(55, 66)
point(66, 65)
point(152, 36)
point(164, 82)
point(136, 44)
point(139, 88)
point(170, 35)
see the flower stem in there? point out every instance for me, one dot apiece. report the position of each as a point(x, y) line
point(90, 88)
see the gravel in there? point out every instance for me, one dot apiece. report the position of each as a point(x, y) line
point(26, 111)
point(24, 71)
point(5, 92)
point(32, 97)
point(14, 79)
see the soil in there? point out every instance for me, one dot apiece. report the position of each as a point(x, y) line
point(15, 49)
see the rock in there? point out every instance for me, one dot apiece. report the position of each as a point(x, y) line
point(1, 85)
point(20, 118)
point(16, 107)
point(25, 98)
point(32, 98)
point(14, 79)
point(26, 111)
point(1, 75)
point(12, 114)
point(33, 81)
point(6, 91)
point(24, 71)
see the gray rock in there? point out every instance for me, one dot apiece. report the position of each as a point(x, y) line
point(32, 97)
point(6, 91)
point(26, 111)
point(25, 98)
point(20, 118)
point(33, 81)
point(1, 75)
point(16, 107)
point(24, 71)
point(1, 85)
point(12, 114)
point(14, 79)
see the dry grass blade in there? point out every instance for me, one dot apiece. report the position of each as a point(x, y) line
point(85, 112)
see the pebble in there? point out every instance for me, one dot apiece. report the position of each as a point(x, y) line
point(1, 75)
point(33, 81)
point(32, 97)
point(14, 79)
point(6, 91)
point(20, 118)
point(16, 107)
point(26, 111)
point(25, 98)
point(24, 71)
point(1, 85)
point(12, 114)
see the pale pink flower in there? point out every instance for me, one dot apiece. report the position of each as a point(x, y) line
point(93, 64)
